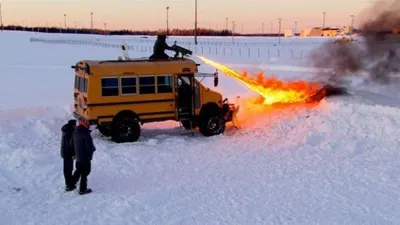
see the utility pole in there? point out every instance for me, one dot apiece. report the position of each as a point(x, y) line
point(352, 24)
point(1, 19)
point(279, 34)
point(195, 22)
point(295, 28)
point(226, 21)
point(91, 22)
point(75, 27)
point(323, 20)
point(167, 20)
point(242, 29)
point(65, 21)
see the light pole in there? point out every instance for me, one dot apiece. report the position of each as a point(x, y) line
point(1, 19)
point(233, 31)
point(279, 34)
point(65, 21)
point(226, 21)
point(295, 28)
point(91, 22)
point(323, 20)
point(195, 22)
point(262, 28)
point(105, 30)
point(167, 20)
point(352, 24)
point(75, 27)
point(272, 26)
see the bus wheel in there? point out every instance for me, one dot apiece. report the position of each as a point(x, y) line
point(105, 130)
point(212, 122)
point(126, 128)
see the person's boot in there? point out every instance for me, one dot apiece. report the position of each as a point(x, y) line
point(87, 191)
point(70, 188)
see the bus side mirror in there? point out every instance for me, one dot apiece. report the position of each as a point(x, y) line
point(216, 78)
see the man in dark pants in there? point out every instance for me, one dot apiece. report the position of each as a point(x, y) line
point(159, 47)
point(68, 153)
point(84, 149)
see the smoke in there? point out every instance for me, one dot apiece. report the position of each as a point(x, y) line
point(374, 53)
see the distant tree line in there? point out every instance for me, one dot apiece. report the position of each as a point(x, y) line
point(172, 32)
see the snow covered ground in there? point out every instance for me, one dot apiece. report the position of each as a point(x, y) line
point(336, 163)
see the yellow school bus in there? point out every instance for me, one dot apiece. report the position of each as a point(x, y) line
point(118, 96)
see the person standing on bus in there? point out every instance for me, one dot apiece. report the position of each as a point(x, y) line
point(159, 48)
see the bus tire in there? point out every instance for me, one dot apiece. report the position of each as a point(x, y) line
point(211, 120)
point(126, 127)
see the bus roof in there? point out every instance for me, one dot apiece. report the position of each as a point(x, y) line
point(142, 66)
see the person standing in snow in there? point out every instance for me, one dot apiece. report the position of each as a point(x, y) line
point(84, 149)
point(68, 153)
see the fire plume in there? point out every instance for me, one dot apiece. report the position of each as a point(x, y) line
point(272, 90)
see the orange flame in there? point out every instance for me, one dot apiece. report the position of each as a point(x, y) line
point(271, 89)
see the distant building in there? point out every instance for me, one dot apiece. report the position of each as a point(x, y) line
point(396, 30)
point(288, 33)
point(330, 32)
point(311, 32)
point(346, 30)
point(327, 32)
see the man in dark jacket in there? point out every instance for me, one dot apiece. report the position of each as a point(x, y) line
point(68, 153)
point(84, 149)
point(159, 47)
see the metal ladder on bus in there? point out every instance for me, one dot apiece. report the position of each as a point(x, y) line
point(184, 115)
